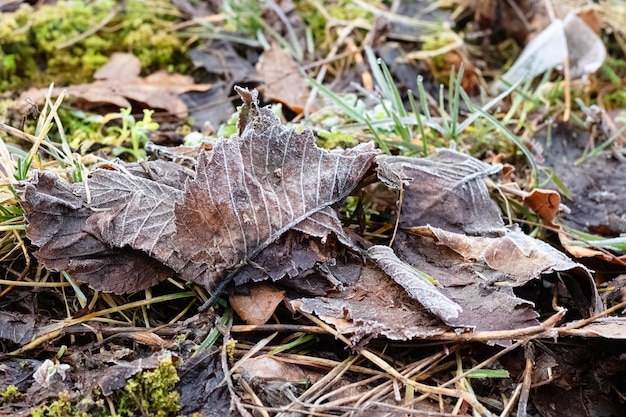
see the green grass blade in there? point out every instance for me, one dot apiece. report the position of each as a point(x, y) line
point(420, 124)
point(506, 132)
point(355, 115)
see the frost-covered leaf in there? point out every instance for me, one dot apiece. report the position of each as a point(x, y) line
point(415, 285)
point(287, 257)
point(372, 306)
point(445, 190)
point(451, 230)
point(141, 223)
point(57, 217)
point(254, 187)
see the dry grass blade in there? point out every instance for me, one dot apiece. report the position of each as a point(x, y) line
point(393, 373)
point(55, 330)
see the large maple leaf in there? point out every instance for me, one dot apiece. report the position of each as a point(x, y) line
point(247, 191)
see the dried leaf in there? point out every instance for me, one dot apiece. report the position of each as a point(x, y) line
point(445, 202)
point(140, 227)
point(373, 306)
point(118, 82)
point(283, 80)
point(605, 327)
point(570, 39)
point(257, 305)
point(56, 220)
point(253, 188)
point(289, 256)
point(210, 398)
point(116, 376)
point(545, 203)
point(17, 327)
point(268, 368)
point(415, 285)
point(498, 265)
point(445, 190)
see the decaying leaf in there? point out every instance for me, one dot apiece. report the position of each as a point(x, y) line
point(289, 256)
point(256, 305)
point(445, 190)
point(459, 239)
point(116, 376)
point(451, 230)
point(374, 305)
point(498, 266)
point(253, 188)
point(119, 81)
point(17, 327)
point(144, 222)
point(57, 218)
point(415, 285)
point(605, 327)
point(545, 203)
point(210, 398)
point(283, 80)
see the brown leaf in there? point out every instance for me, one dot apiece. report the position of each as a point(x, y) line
point(415, 284)
point(17, 327)
point(271, 369)
point(210, 397)
point(257, 305)
point(283, 80)
point(545, 203)
point(116, 376)
point(499, 265)
point(139, 227)
point(56, 218)
point(373, 306)
point(455, 235)
point(118, 82)
point(120, 67)
point(253, 188)
point(605, 327)
point(586, 252)
point(289, 256)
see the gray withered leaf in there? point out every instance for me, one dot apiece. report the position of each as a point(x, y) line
point(444, 190)
point(414, 284)
point(252, 188)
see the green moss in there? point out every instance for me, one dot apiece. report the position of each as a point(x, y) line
point(10, 394)
point(337, 138)
point(148, 393)
point(151, 393)
point(117, 134)
point(46, 45)
point(345, 10)
point(61, 407)
point(440, 63)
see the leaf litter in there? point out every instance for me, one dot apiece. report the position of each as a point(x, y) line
point(248, 209)
point(118, 82)
point(247, 191)
point(456, 250)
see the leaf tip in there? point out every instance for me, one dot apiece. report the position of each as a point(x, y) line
point(250, 108)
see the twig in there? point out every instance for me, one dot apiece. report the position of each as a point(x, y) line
point(593, 318)
point(543, 329)
point(522, 405)
point(245, 328)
